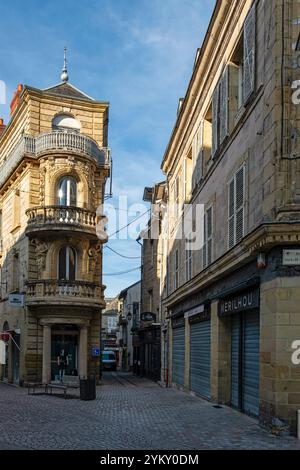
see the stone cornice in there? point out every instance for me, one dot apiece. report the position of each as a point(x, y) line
point(262, 239)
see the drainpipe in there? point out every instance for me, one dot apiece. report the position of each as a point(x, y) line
point(298, 424)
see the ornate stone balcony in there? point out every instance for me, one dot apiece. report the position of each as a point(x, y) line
point(55, 292)
point(60, 141)
point(61, 218)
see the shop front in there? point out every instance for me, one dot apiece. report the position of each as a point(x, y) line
point(64, 351)
point(241, 309)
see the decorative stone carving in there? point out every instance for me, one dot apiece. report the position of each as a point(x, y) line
point(41, 249)
point(93, 253)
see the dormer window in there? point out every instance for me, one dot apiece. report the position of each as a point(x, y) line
point(65, 123)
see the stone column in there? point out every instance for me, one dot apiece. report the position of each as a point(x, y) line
point(83, 351)
point(220, 356)
point(46, 375)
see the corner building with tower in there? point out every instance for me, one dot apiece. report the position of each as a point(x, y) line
point(54, 163)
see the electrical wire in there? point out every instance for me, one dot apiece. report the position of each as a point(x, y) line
point(125, 226)
point(120, 254)
point(122, 272)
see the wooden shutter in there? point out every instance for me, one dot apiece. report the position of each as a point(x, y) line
point(208, 237)
point(224, 88)
point(197, 155)
point(209, 225)
point(249, 54)
point(215, 120)
point(231, 213)
point(239, 204)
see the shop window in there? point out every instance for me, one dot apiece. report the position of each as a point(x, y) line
point(67, 264)
point(67, 192)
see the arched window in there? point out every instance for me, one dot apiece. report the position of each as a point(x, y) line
point(67, 264)
point(65, 123)
point(67, 191)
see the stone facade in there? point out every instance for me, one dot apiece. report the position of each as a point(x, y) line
point(54, 164)
point(234, 153)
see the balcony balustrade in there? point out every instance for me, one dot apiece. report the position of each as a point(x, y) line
point(45, 218)
point(36, 146)
point(56, 292)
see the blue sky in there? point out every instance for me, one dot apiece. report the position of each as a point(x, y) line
point(136, 54)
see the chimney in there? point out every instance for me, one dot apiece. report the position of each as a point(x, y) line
point(2, 127)
point(16, 99)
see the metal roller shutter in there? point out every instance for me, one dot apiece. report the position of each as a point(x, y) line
point(235, 360)
point(200, 358)
point(245, 333)
point(178, 356)
point(250, 388)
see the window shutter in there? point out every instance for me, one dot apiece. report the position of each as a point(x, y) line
point(249, 54)
point(215, 120)
point(224, 88)
point(197, 155)
point(239, 204)
point(231, 214)
point(205, 241)
point(209, 235)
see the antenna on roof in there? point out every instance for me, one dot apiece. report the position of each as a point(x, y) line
point(64, 76)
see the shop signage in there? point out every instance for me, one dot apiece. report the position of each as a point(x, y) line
point(16, 300)
point(148, 316)
point(291, 258)
point(242, 302)
point(178, 322)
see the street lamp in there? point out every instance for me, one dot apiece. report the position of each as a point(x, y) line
point(129, 316)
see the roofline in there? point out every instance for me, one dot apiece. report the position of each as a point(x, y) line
point(191, 82)
point(127, 288)
point(77, 98)
point(72, 86)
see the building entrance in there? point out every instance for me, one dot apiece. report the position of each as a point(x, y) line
point(64, 351)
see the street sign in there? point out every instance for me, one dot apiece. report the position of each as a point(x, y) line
point(16, 300)
point(95, 352)
point(291, 258)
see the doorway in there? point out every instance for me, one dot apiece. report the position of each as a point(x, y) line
point(64, 340)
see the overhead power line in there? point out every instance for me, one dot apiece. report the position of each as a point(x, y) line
point(122, 272)
point(120, 254)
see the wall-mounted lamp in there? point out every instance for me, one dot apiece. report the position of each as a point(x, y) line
point(261, 261)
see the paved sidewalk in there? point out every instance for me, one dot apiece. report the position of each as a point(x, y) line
point(129, 413)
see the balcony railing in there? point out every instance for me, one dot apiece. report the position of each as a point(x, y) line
point(62, 217)
point(53, 291)
point(26, 146)
point(35, 146)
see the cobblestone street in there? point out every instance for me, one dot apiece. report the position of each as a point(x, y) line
point(129, 413)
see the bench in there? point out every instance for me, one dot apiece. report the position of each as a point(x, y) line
point(33, 386)
point(50, 387)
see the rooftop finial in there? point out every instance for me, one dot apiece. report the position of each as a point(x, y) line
point(64, 76)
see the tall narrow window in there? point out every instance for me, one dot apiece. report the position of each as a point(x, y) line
point(67, 192)
point(236, 208)
point(67, 264)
